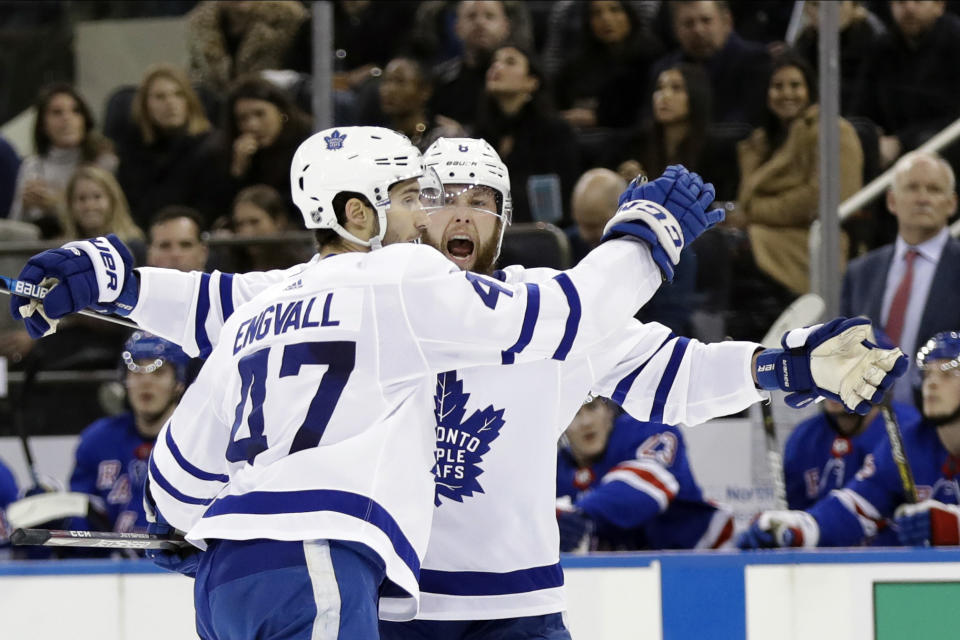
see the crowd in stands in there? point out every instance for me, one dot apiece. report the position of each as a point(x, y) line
point(577, 97)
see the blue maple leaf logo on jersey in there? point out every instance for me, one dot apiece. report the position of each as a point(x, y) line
point(461, 443)
point(335, 140)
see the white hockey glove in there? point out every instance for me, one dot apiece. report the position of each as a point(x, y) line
point(839, 360)
point(781, 529)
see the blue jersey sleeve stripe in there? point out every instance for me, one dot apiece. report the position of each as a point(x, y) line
point(351, 504)
point(196, 472)
point(623, 387)
point(226, 295)
point(666, 382)
point(530, 315)
point(573, 319)
point(203, 308)
point(165, 484)
point(482, 583)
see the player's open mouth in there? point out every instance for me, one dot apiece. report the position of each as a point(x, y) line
point(460, 247)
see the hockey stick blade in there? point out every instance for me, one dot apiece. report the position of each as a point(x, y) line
point(804, 311)
point(12, 286)
point(98, 539)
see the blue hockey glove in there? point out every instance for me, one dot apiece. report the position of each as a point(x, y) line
point(775, 529)
point(186, 560)
point(839, 360)
point(576, 529)
point(95, 273)
point(668, 214)
point(928, 523)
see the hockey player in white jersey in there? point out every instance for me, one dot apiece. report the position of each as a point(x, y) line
point(505, 579)
point(341, 462)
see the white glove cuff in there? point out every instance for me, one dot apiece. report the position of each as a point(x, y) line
point(660, 221)
point(777, 522)
point(107, 265)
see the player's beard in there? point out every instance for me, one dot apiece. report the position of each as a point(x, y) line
point(487, 254)
point(847, 426)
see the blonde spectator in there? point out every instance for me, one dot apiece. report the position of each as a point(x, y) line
point(165, 160)
point(779, 185)
point(64, 139)
point(96, 206)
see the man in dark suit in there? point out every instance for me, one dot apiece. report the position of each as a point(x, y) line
point(911, 288)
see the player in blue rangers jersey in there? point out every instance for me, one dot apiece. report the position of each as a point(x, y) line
point(824, 451)
point(465, 559)
point(625, 485)
point(112, 454)
point(856, 513)
point(8, 494)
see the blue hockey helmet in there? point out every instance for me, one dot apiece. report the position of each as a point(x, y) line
point(145, 346)
point(943, 346)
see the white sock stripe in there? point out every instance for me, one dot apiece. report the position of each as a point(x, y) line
point(666, 478)
point(326, 591)
point(638, 483)
point(866, 513)
point(717, 523)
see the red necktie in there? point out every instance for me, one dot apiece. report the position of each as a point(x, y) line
point(898, 308)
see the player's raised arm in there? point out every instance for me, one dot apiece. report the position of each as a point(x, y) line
point(185, 308)
point(667, 378)
point(454, 313)
point(190, 308)
point(659, 376)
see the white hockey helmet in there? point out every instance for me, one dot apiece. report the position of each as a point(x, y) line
point(365, 160)
point(472, 161)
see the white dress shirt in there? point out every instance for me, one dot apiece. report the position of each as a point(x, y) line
point(924, 267)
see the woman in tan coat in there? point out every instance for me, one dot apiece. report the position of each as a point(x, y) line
point(779, 185)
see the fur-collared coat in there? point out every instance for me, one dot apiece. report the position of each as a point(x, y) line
point(266, 31)
point(779, 194)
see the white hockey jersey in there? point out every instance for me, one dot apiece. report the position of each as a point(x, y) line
point(312, 416)
point(493, 550)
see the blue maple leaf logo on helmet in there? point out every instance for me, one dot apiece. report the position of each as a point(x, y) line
point(461, 443)
point(335, 140)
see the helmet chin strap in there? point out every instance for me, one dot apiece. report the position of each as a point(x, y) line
point(346, 235)
point(376, 242)
point(503, 230)
point(942, 420)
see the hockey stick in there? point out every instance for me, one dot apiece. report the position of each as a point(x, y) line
point(12, 286)
point(804, 311)
point(899, 454)
point(98, 539)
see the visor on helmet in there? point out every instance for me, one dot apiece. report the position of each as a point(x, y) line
point(475, 197)
point(944, 348)
point(431, 190)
